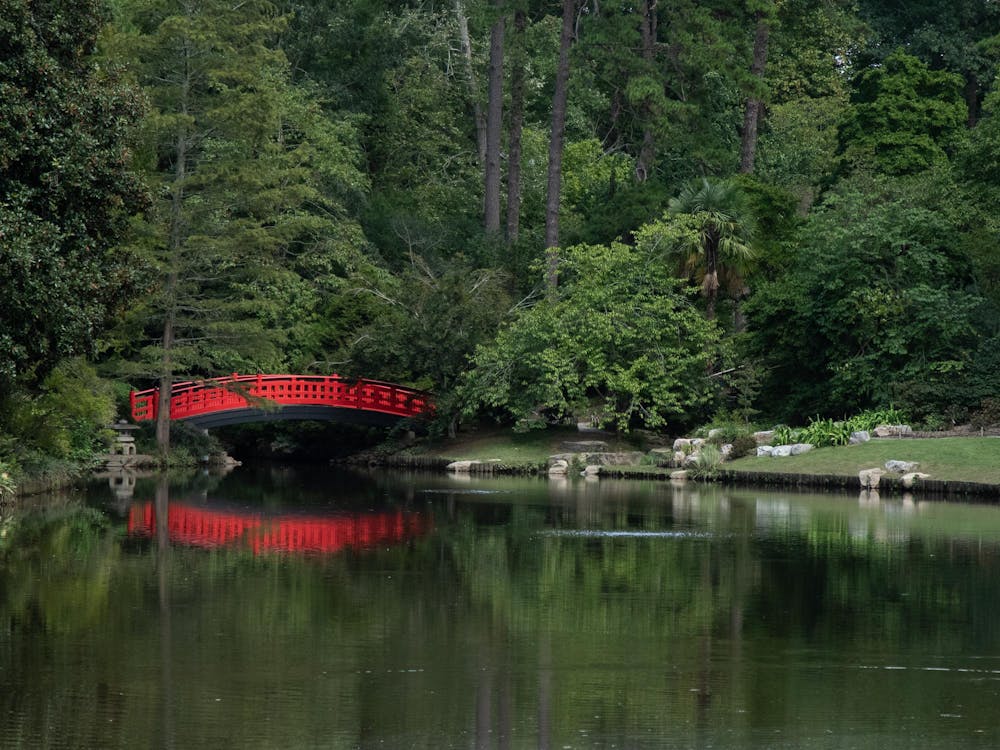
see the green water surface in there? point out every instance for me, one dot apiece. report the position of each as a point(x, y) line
point(274, 608)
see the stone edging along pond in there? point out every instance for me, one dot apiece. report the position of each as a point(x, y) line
point(891, 484)
point(888, 485)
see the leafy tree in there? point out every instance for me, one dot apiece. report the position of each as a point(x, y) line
point(961, 40)
point(799, 148)
point(904, 117)
point(979, 168)
point(619, 341)
point(874, 307)
point(425, 324)
point(66, 187)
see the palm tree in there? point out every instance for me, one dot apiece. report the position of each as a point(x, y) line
point(720, 245)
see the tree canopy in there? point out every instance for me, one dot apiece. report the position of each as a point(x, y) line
point(394, 189)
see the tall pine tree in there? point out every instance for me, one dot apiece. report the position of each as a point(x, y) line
point(251, 181)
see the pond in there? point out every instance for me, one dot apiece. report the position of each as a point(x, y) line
point(291, 608)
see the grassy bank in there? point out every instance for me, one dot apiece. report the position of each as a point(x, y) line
point(516, 449)
point(964, 459)
point(967, 459)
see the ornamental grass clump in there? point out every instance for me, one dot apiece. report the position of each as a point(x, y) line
point(707, 463)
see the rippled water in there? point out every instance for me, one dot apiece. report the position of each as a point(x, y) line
point(280, 609)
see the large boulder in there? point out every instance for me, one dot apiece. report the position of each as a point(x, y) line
point(901, 467)
point(764, 437)
point(678, 476)
point(583, 446)
point(799, 448)
point(461, 467)
point(781, 451)
point(870, 478)
point(558, 467)
point(764, 450)
point(624, 458)
point(861, 436)
point(682, 444)
point(893, 430)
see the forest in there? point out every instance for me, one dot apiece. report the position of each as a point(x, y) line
point(651, 214)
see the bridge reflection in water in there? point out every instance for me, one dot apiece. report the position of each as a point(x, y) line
point(201, 527)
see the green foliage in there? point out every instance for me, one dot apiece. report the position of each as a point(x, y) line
point(869, 419)
point(425, 325)
point(66, 188)
point(799, 149)
point(67, 421)
point(904, 117)
point(962, 41)
point(785, 435)
point(823, 432)
point(877, 296)
point(619, 339)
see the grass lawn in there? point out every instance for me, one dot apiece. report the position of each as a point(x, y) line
point(513, 448)
point(969, 459)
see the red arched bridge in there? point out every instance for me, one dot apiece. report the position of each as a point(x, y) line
point(203, 527)
point(236, 399)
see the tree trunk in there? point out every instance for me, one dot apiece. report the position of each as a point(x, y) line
point(176, 240)
point(470, 77)
point(710, 284)
point(494, 119)
point(647, 152)
point(516, 125)
point(972, 100)
point(751, 115)
point(556, 147)
point(166, 385)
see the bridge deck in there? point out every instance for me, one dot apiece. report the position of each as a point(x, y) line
point(253, 398)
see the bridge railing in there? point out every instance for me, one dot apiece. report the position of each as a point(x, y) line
point(194, 398)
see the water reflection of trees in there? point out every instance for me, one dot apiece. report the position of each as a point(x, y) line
point(493, 626)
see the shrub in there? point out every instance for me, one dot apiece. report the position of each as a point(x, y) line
point(987, 415)
point(744, 445)
point(730, 432)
